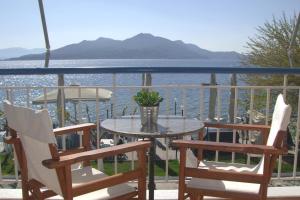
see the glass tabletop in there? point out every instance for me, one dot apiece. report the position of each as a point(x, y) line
point(165, 127)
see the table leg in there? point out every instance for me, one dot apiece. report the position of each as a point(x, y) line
point(151, 184)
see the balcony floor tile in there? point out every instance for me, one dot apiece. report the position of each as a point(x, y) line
point(278, 193)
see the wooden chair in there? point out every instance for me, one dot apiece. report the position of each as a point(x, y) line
point(46, 172)
point(235, 181)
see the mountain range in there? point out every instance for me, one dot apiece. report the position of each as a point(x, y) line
point(141, 46)
point(17, 51)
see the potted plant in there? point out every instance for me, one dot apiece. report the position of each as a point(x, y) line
point(149, 105)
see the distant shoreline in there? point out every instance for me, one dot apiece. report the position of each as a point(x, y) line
point(149, 59)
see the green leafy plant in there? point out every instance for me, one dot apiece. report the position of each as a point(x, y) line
point(147, 98)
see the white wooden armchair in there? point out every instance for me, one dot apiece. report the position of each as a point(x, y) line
point(46, 172)
point(235, 181)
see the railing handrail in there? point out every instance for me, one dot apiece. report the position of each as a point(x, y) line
point(111, 70)
point(278, 87)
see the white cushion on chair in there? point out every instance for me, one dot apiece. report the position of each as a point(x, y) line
point(220, 185)
point(228, 186)
point(88, 174)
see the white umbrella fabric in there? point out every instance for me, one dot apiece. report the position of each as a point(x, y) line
point(72, 94)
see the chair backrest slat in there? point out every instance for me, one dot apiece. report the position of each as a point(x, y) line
point(280, 120)
point(35, 131)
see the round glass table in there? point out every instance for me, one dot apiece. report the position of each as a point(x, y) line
point(166, 127)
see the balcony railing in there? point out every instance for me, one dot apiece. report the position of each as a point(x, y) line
point(190, 100)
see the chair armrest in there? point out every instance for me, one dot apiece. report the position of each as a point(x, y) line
point(228, 147)
point(262, 128)
point(73, 128)
point(10, 139)
point(96, 154)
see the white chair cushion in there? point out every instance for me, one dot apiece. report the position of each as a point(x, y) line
point(228, 186)
point(80, 176)
point(224, 186)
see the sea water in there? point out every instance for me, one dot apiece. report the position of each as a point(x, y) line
point(186, 100)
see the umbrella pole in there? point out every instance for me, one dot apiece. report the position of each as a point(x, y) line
point(44, 24)
point(42, 13)
point(60, 98)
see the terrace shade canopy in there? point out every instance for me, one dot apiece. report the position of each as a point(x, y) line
point(74, 94)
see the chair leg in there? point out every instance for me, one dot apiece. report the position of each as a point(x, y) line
point(35, 193)
point(181, 184)
point(25, 190)
point(142, 179)
point(68, 183)
point(192, 196)
point(180, 193)
point(264, 191)
point(195, 196)
point(264, 197)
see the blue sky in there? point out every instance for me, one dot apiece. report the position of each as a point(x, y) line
point(218, 25)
